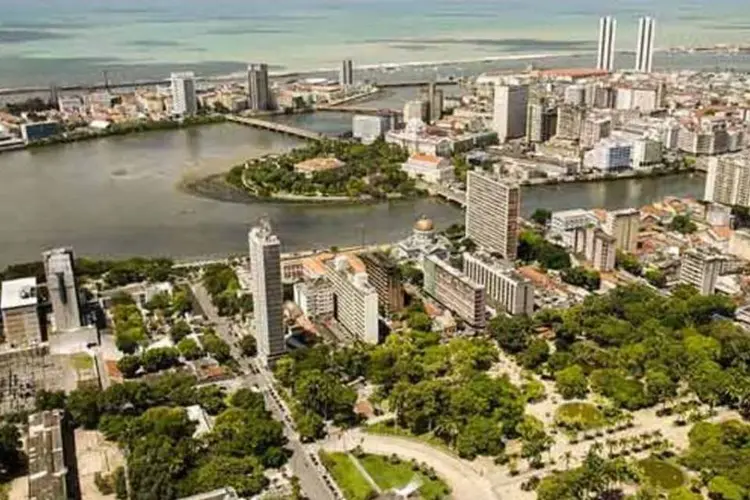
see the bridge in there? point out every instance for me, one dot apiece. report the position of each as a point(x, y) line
point(280, 128)
point(361, 110)
point(423, 83)
point(452, 195)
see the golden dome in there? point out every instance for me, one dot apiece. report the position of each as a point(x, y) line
point(424, 224)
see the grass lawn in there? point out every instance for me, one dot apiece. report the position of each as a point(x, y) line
point(389, 475)
point(662, 474)
point(346, 475)
point(82, 361)
point(583, 416)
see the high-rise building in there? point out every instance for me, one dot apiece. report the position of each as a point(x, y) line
point(47, 456)
point(384, 275)
point(594, 129)
point(59, 268)
point(20, 309)
point(728, 180)
point(434, 98)
point(605, 58)
point(505, 289)
point(355, 301)
point(624, 226)
point(184, 101)
point(492, 209)
point(644, 54)
point(509, 111)
point(541, 123)
point(575, 95)
point(346, 75)
point(570, 122)
point(368, 128)
point(564, 223)
point(454, 290)
point(258, 91)
point(416, 109)
point(600, 249)
point(265, 269)
point(700, 268)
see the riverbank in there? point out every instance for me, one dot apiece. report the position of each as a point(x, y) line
point(629, 174)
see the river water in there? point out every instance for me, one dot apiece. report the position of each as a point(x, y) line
point(119, 197)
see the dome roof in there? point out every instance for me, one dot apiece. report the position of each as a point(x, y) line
point(424, 224)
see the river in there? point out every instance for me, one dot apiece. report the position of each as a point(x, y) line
point(119, 196)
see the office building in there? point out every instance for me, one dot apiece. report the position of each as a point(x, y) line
point(595, 128)
point(384, 275)
point(601, 249)
point(708, 136)
point(700, 268)
point(644, 53)
point(541, 122)
point(728, 180)
point(610, 154)
point(624, 226)
point(368, 128)
point(259, 96)
point(644, 100)
point(599, 96)
point(505, 289)
point(314, 297)
point(492, 210)
point(265, 269)
point(563, 224)
point(434, 98)
point(429, 168)
point(346, 75)
point(575, 95)
point(605, 57)
point(184, 101)
point(647, 152)
point(20, 310)
point(455, 290)
point(570, 122)
point(416, 109)
point(509, 111)
point(47, 469)
point(355, 301)
point(62, 286)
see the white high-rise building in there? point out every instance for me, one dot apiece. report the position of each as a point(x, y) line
point(355, 301)
point(644, 55)
point(62, 288)
point(700, 268)
point(259, 95)
point(605, 58)
point(346, 76)
point(505, 289)
point(492, 210)
point(184, 102)
point(624, 225)
point(265, 269)
point(728, 180)
point(509, 111)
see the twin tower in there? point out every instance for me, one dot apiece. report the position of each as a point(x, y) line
point(644, 54)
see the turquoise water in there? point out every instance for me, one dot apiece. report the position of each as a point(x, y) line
point(69, 41)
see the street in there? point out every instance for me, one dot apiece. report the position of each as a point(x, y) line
point(314, 479)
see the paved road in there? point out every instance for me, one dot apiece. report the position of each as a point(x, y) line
point(311, 474)
point(464, 480)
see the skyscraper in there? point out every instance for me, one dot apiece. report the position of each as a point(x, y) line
point(63, 288)
point(259, 95)
point(346, 76)
point(434, 98)
point(509, 112)
point(728, 180)
point(265, 269)
point(644, 54)
point(492, 209)
point(605, 57)
point(184, 101)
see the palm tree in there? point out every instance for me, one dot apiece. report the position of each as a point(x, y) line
point(611, 445)
point(567, 456)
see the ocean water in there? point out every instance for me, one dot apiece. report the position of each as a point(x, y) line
point(71, 41)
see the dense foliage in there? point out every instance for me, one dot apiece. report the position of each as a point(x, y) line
point(223, 286)
point(683, 224)
point(582, 277)
point(165, 459)
point(532, 247)
point(130, 332)
point(373, 170)
point(635, 346)
point(12, 458)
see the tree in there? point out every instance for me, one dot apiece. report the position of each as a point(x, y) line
point(216, 347)
point(129, 365)
point(248, 346)
point(83, 406)
point(211, 399)
point(480, 436)
point(511, 333)
point(161, 301)
point(571, 382)
point(179, 331)
point(159, 358)
point(244, 474)
point(659, 386)
point(535, 354)
point(683, 224)
point(309, 425)
point(629, 263)
point(12, 459)
point(582, 277)
point(247, 399)
point(721, 488)
point(49, 400)
point(541, 216)
point(419, 321)
point(656, 278)
point(682, 493)
point(241, 433)
point(535, 440)
point(190, 349)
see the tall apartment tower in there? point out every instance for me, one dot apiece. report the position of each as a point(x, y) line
point(605, 56)
point(728, 180)
point(644, 55)
point(492, 209)
point(265, 269)
point(434, 97)
point(59, 268)
point(624, 225)
point(509, 111)
point(346, 76)
point(700, 268)
point(184, 101)
point(259, 95)
point(384, 275)
point(541, 121)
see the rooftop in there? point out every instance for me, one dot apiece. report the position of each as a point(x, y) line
point(18, 293)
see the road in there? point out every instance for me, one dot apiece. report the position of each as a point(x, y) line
point(304, 463)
